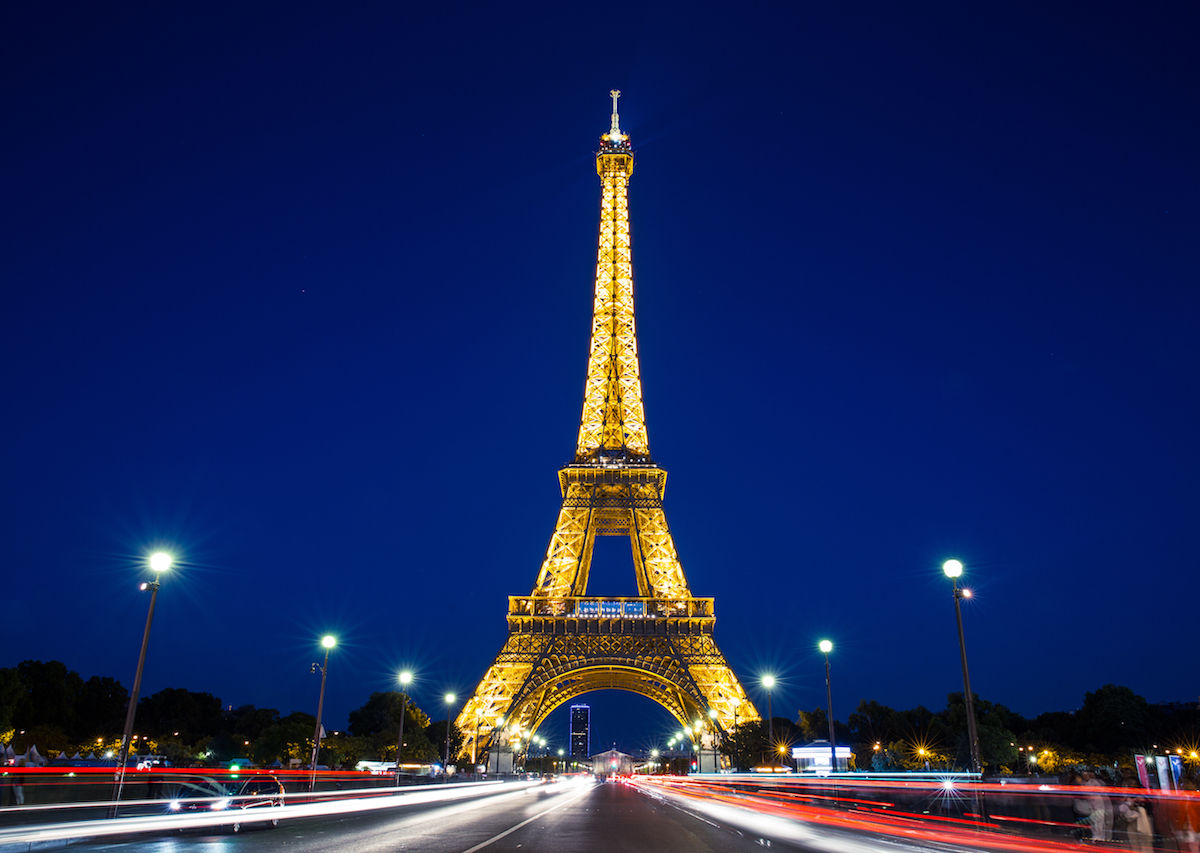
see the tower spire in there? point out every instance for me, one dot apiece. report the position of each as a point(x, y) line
point(614, 422)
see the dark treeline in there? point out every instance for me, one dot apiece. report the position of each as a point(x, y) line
point(47, 704)
point(1111, 725)
point(50, 706)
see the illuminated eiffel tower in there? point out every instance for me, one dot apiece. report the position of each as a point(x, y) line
point(561, 642)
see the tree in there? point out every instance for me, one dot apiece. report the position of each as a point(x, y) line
point(746, 744)
point(1113, 719)
point(435, 732)
point(993, 723)
point(378, 721)
point(814, 725)
point(248, 722)
point(11, 692)
point(50, 694)
point(192, 715)
point(103, 702)
point(291, 737)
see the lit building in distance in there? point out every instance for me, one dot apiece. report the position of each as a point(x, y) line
point(581, 725)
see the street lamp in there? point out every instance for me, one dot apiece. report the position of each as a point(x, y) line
point(768, 681)
point(328, 642)
point(826, 647)
point(159, 562)
point(954, 570)
point(450, 697)
point(405, 680)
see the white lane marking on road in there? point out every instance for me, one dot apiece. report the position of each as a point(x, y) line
point(513, 829)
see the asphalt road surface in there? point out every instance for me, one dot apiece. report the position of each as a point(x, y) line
point(600, 818)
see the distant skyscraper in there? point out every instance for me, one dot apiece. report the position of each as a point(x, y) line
point(581, 726)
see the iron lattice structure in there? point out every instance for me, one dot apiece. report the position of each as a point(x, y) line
point(561, 642)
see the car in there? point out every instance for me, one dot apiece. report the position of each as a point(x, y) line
point(204, 794)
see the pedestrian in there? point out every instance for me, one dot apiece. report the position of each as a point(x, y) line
point(1134, 820)
point(17, 780)
point(1185, 813)
point(1092, 808)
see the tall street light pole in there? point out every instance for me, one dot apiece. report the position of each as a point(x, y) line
point(328, 641)
point(954, 570)
point(450, 697)
point(768, 681)
point(826, 647)
point(405, 680)
point(159, 563)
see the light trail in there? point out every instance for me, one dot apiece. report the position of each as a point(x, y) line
point(768, 809)
point(369, 800)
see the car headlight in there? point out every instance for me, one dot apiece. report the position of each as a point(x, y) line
point(220, 804)
point(174, 806)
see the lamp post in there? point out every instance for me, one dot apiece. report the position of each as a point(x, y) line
point(450, 697)
point(768, 681)
point(405, 680)
point(953, 570)
point(826, 647)
point(328, 642)
point(159, 562)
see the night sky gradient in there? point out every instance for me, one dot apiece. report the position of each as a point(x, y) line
point(302, 291)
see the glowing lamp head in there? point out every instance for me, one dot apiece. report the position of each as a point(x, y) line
point(825, 646)
point(953, 568)
point(329, 641)
point(406, 678)
point(712, 713)
point(768, 681)
point(160, 561)
point(450, 697)
point(966, 593)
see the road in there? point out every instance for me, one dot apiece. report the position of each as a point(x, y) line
point(599, 818)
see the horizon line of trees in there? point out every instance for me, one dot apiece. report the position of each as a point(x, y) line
point(1111, 725)
point(50, 706)
point(47, 704)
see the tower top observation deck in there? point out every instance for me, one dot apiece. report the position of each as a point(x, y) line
point(616, 152)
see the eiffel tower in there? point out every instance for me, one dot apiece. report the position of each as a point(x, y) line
point(561, 642)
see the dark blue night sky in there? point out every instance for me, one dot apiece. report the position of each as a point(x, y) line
point(303, 292)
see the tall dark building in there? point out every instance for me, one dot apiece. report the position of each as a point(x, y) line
point(581, 731)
